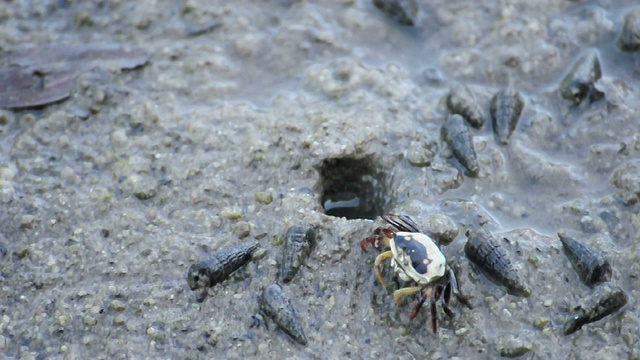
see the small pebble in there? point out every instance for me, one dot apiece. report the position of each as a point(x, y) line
point(118, 305)
point(27, 119)
point(86, 340)
point(264, 197)
point(231, 213)
point(541, 323)
point(149, 302)
point(442, 229)
point(89, 321)
point(511, 345)
point(27, 222)
point(403, 331)
point(64, 320)
point(241, 229)
point(329, 326)
point(420, 155)
point(277, 240)
point(516, 351)
point(99, 96)
point(259, 253)
point(5, 117)
point(145, 195)
point(119, 137)
point(119, 320)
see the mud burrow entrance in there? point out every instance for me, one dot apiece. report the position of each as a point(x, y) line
point(354, 188)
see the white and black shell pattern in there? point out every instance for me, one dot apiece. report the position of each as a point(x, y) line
point(417, 257)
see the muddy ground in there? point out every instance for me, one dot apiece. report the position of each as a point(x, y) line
point(249, 115)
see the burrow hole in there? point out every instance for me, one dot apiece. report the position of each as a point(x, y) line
point(355, 188)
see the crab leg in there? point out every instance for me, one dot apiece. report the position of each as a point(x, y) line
point(416, 310)
point(456, 290)
point(434, 319)
point(382, 257)
point(442, 297)
point(404, 292)
point(402, 222)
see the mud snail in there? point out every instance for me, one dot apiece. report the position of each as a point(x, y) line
point(579, 83)
point(505, 109)
point(274, 303)
point(457, 135)
point(219, 266)
point(415, 257)
point(404, 12)
point(590, 265)
point(629, 39)
point(606, 300)
point(484, 250)
point(462, 101)
point(298, 243)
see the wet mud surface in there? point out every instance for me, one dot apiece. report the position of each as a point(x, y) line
point(240, 125)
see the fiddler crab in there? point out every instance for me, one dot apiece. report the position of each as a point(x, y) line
point(415, 257)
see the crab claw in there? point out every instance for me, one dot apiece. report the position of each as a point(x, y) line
point(363, 245)
point(372, 240)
